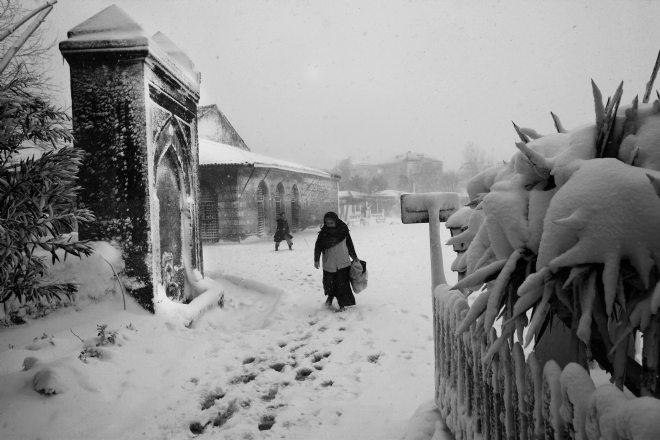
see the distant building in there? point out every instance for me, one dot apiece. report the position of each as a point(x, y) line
point(356, 207)
point(242, 191)
point(411, 172)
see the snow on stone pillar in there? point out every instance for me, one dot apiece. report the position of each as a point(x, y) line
point(134, 105)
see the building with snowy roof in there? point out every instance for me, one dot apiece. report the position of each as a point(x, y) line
point(242, 192)
point(410, 172)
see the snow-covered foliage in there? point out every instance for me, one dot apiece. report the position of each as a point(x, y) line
point(570, 224)
point(568, 229)
point(514, 397)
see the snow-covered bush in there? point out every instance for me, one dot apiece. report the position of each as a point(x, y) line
point(570, 228)
point(93, 347)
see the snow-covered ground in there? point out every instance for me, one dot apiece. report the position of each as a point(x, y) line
point(272, 356)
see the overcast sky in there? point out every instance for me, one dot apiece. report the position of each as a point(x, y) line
point(316, 81)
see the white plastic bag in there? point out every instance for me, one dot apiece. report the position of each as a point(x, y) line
point(359, 276)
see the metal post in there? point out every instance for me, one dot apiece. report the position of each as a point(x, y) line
point(431, 208)
point(437, 266)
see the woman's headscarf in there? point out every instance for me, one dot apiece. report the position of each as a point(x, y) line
point(329, 237)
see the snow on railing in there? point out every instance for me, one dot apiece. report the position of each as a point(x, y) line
point(510, 397)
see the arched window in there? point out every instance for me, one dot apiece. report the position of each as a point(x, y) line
point(279, 199)
point(208, 212)
point(295, 208)
point(262, 195)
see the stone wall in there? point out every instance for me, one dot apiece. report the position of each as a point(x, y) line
point(236, 189)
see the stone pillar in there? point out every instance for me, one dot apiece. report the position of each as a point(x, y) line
point(134, 105)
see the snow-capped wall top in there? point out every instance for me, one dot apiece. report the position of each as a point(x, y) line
point(113, 30)
point(110, 23)
point(215, 153)
point(173, 51)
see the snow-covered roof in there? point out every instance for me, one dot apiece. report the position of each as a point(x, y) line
point(352, 195)
point(215, 153)
point(389, 193)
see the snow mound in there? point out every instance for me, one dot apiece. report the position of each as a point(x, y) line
point(426, 424)
point(94, 274)
point(180, 314)
point(49, 381)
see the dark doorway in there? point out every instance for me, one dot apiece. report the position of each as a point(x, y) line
point(208, 211)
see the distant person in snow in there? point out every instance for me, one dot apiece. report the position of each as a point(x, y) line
point(335, 244)
point(282, 232)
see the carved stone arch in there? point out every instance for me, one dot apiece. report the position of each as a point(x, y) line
point(173, 189)
point(172, 137)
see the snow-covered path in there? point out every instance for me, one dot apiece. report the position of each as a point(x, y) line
point(369, 368)
point(274, 357)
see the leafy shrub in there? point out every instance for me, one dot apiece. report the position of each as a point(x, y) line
point(37, 196)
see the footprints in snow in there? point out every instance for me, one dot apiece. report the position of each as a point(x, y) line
point(209, 399)
point(316, 356)
point(295, 361)
point(278, 366)
point(373, 358)
point(270, 395)
point(266, 422)
point(303, 373)
point(245, 378)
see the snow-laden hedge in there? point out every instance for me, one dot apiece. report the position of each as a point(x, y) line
point(568, 229)
point(514, 397)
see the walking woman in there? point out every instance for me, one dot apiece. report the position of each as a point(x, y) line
point(282, 232)
point(335, 244)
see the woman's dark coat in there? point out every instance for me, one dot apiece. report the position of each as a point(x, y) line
point(282, 231)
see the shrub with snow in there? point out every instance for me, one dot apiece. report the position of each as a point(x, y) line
point(569, 228)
